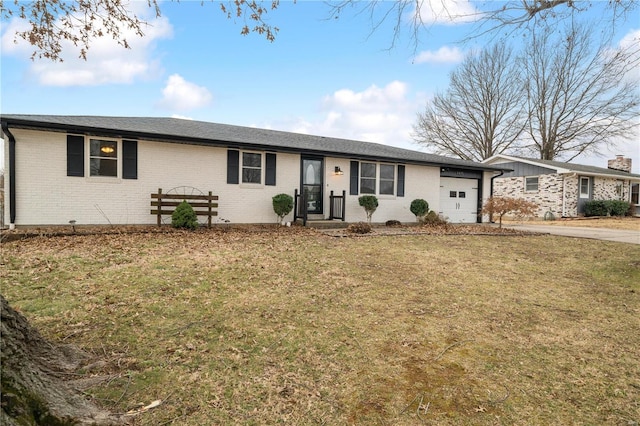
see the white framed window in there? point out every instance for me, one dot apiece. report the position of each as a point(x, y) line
point(377, 178)
point(251, 167)
point(103, 157)
point(531, 184)
point(585, 186)
point(368, 172)
point(387, 179)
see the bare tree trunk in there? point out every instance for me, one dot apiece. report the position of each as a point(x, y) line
point(32, 379)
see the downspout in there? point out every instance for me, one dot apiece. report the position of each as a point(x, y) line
point(12, 175)
point(491, 192)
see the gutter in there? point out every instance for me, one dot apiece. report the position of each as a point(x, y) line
point(491, 191)
point(12, 175)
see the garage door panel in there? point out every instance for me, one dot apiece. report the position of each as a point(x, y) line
point(459, 199)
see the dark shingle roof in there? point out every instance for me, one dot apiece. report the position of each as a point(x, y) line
point(205, 133)
point(581, 168)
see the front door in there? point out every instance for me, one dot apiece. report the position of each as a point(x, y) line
point(312, 171)
point(585, 192)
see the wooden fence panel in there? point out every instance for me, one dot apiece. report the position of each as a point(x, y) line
point(165, 205)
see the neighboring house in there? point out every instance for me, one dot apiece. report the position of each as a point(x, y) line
point(103, 170)
point(563, 188)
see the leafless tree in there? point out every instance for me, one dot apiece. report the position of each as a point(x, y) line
point(52, 22)
point(481, 114)
point(579, 97)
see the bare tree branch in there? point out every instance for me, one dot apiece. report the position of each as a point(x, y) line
point(579, 97)
point(54, 22)
point(481, 114)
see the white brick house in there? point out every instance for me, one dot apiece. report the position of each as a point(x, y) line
point(563, 188)
point(103, 170)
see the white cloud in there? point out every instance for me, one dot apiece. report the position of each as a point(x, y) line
point(444, 55)
point(181, 95)
point(107, 62)
point(376, 114)
point(447, 12)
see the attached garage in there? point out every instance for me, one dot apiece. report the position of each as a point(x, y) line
point(460, 196)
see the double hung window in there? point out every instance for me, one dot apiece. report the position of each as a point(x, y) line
point(103, 158)
point(251, 167)
point(377, 178)
point(531, 184)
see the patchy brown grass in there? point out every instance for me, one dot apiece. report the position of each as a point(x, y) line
point(290, 325)
point(628, 223)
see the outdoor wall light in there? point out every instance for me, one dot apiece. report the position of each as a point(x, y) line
point(337, 171)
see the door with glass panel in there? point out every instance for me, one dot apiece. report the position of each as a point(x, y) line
point(312, 171)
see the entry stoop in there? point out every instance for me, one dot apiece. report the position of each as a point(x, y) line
point(324, 223)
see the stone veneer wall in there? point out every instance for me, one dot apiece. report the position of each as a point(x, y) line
point(551, 187)
point(548, 197)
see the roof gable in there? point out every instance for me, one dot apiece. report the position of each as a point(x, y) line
point(561, 167)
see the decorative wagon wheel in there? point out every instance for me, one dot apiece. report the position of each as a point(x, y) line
point(185, 191)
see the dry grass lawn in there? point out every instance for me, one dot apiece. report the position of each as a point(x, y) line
point(292, 326)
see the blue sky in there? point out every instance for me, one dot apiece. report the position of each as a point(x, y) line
point(331, 77)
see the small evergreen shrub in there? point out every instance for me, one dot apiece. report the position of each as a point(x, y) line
point(359, 228)
point(619, 208)
point(393, 223)
point(419, 208)
point(595, 208)
point(184, 217)
point(606, 208)
point(370, 204)
point(282, 205)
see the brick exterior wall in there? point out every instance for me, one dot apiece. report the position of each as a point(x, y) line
point(552, 188)
point(45, 195)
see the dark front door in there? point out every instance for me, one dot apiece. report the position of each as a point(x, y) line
point(312, 171)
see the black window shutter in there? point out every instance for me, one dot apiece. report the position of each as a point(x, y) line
point(129, 159)
point(400, 191)
point(75, 155)
point(233, 166)
point(270, 173)
point(354, 176)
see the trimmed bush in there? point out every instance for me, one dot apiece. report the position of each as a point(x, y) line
point(619, 208)
point(606, 208)
point(282, 205)
point(184, 217)
point(393, 222)
point(370, 204)
point(419, 208)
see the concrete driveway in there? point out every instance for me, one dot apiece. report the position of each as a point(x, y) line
point(618, 235)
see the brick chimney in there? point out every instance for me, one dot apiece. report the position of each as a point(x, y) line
point(620, 163)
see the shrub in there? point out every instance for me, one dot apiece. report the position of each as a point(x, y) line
point(370, 204)
point(419, 208)
point(606, 208)
point(433, 218)
point(184, 217)
point(359, 228)
point(282, 205)
point(393, 222)
point(619, 208)
point(503, 205)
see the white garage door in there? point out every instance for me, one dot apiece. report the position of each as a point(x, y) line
point(459, 199)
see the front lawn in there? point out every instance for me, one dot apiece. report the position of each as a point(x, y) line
point(271, 326)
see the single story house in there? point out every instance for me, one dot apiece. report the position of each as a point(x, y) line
point(562, 189)
point(102, 170)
